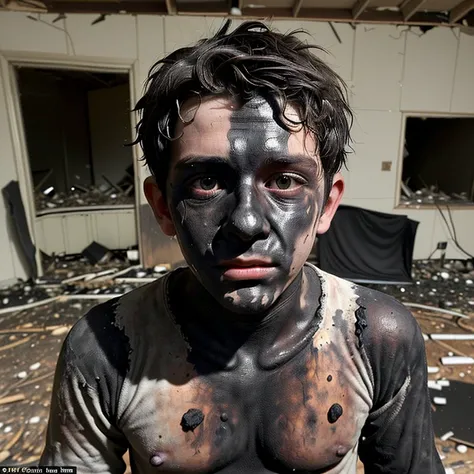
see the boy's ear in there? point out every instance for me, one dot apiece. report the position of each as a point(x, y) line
point(159, 205)
point(335, 196)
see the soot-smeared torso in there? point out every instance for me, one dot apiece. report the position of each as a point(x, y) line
point(254, 409)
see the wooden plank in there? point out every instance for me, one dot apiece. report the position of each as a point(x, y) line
point(359, 8)
point(171, 7)
point(12, 399)
point(218, 8)
point(410, 7)
point(297, 7)
point(460, 11)
point(221, 9)
point(107, 7)
point(345, 16)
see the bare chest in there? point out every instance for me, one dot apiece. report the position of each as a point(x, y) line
point(304, 416)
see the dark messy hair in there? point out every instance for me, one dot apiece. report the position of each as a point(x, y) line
point(250, 61)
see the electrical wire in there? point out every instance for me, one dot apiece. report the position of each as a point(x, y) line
point(64, 30)
point(432, 253)
point(452, 232)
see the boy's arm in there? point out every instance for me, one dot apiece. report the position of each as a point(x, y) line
point(82, 431)
point(398, 434)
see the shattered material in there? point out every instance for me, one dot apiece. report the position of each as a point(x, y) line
point(34, 336)
point(84, 197)
point(431, 196)
point(456, 292)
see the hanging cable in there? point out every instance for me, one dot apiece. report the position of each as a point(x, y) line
point(452, 232)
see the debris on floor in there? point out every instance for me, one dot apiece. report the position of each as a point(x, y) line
point(449, 287)
point(31, 337)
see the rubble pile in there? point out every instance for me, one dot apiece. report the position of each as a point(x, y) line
point(31, 337)
point(68, 276)
point(432, 196)
point(450, 286)
point(91, 196)
point(60, 267)
point(24, 293)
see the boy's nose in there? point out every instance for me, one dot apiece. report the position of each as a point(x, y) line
point(247, 220)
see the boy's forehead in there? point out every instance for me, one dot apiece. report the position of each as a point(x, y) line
point(207, 123)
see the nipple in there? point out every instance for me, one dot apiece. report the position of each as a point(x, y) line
point(156, 460)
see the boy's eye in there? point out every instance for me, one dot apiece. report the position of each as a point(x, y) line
point(285, 182)
point(207, 183)
point(205, 187)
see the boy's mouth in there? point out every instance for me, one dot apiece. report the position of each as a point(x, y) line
point(247, 268)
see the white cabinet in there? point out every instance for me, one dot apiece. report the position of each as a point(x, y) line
point(71, 232)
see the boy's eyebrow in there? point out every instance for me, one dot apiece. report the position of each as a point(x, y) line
point(299, 160)
point(272, 160)
point(190, 160)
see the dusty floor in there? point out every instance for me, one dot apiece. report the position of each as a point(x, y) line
point(30, 341)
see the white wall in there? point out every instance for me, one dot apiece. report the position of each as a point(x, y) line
point(388, 70)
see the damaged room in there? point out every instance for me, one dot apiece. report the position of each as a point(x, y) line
point(84, 222)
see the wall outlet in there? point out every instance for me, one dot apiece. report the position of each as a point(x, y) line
point(442, 245)
point(386, 165)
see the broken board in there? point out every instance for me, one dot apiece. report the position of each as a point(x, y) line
point(456, 415)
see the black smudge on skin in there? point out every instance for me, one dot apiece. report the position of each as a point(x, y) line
point(361, 324)
point(340, 322)
point(334, 413)
point(192, 419)
point(221, 434)
point(312, 421)
point(244, 216)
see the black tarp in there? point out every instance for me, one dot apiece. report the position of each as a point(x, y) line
point(14, 203)
point(368, 246)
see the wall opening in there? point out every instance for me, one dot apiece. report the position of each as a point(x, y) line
point(438, 161)
point(76, 124)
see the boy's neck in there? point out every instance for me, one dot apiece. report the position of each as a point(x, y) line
point(217, 334)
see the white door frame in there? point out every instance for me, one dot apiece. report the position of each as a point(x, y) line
point(8, 61)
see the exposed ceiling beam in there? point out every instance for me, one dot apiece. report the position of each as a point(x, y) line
point(461, 10)
point(130, 6)
point(297, 7)
point(410, 7)
point(171, 7)
point(359, 7)
point(220, 9)
point(345, 16)
point(204, 8)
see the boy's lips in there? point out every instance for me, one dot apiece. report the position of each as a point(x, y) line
point(252, 268)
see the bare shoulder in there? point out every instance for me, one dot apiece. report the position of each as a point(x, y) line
point(388, 323)
point(103, 340)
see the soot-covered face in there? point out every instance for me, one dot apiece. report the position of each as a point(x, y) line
point(244, 196)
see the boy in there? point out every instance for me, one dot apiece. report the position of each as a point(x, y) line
point(250, 360)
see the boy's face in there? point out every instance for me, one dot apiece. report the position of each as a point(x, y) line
point(244, 197)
